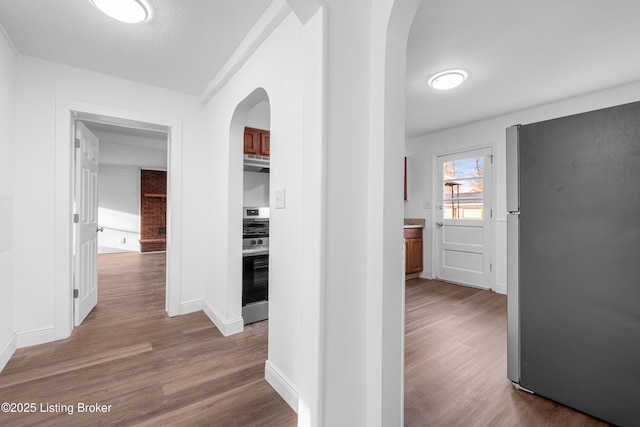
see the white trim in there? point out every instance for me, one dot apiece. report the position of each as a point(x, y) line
point(190, 306)
point(262, 29)
point(500, 288)
point(304, 9)
point(435, 259)
point(66, 112)
point(281, 384)
point(226, 327)
point(35, 337)
point(7, 351)
point(8, 39)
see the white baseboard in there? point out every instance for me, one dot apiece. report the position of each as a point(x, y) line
point(281, 384)
point(35, 337)
point(190, 306)
point(500, 288)
point(226, 327)
point(7, 351)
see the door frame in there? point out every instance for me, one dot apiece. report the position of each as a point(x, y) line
point(434, 214)
point(67, 112)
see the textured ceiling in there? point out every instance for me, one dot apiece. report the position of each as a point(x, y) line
point(125, 135)
point(181, 48)
point(519, 54)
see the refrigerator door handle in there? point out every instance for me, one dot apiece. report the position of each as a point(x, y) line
point(513, 297)
point(513, 169)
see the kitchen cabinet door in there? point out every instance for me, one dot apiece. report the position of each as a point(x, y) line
point(413, 251)
point(414, 255)
point(265, 143)
point(251, 141)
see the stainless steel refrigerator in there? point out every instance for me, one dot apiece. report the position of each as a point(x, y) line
point(573, 254)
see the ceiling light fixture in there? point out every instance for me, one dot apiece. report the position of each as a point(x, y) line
point(129, 11)
point(448, 79)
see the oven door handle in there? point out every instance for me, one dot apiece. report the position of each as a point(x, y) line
point(260, 264)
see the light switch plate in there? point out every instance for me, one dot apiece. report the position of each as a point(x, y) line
point(280, 198)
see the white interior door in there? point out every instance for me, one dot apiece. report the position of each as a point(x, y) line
point(86, 219)
point(463, 217)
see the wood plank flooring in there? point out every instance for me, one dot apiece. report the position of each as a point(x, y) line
point(456, 363)
point(151, 369)
point(155, 370)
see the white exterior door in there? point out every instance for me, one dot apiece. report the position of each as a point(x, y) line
point(86, 222)
point(463, 217)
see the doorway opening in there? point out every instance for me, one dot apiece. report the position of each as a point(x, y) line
point(252, 113)
point(131, 200)
point(464, 215)
point(256, 213)
point(67, 114)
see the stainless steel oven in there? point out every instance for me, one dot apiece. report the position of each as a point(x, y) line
point(255, 264)
point(255, 279)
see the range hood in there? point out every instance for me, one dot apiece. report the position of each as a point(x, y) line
point(253, 163)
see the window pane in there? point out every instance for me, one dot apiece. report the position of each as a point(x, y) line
point(463, 191)
point(464, 168)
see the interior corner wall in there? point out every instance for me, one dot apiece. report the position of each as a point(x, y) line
point(421, 151)
point(119, 191)
point(277, 67)
point(40, 84)
point(8, 67)
point(255, 189)
point(119, 208)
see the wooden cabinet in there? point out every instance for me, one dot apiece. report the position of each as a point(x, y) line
point(257, 142)
point(413, 251)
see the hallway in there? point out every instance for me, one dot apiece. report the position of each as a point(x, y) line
point(456, 363)
point(151, 369)
point(156, 370)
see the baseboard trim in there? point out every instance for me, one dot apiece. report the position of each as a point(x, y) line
point(500, 288)
point(7, 351)
point(35, 337)
point(281, 384)
point(226, 327)
point(190, 306)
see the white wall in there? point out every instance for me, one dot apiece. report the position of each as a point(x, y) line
point(255, 189)
point(119, 190)
point(259, 117)
point(8, 65)
point(330, 151)
point(40, 84)
point(119, 209)
point(123, 153)
point(421, 150)
point(278, 67)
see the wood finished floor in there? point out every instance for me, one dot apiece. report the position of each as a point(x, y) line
point(155, 370)
point(456, 363)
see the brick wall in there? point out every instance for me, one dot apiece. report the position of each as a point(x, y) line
point(153, 210)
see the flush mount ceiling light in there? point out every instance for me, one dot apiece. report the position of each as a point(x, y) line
point(129, 11)
point(448, 79)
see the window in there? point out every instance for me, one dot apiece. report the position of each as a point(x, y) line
point(463, 196)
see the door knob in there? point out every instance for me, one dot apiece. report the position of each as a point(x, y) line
point(439, 224)
point(100, 229)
